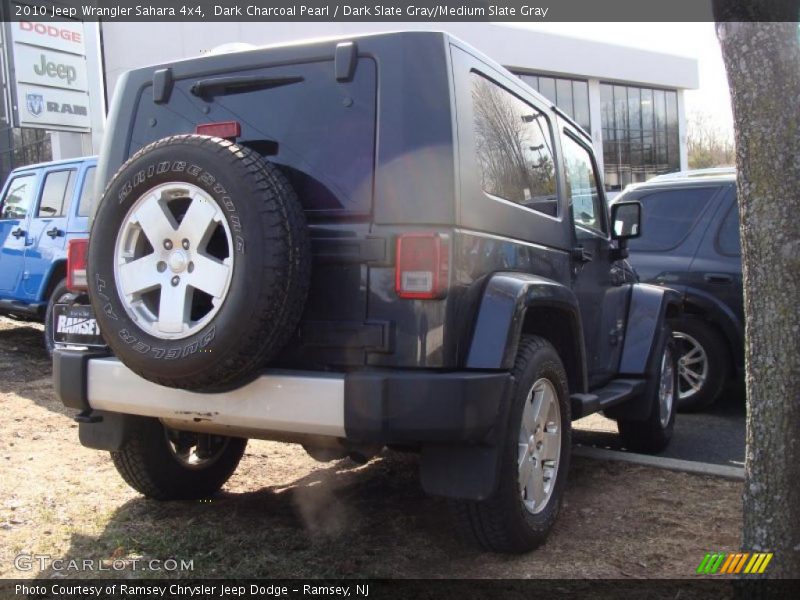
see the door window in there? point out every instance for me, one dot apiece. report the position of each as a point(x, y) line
point(585, 201)
point(86, 202)
point(56, 193)
point(669, 216)
point(513, 148)
point(17, 201)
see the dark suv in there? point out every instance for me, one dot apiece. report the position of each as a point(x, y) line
point(690, 243)
point(351, 244)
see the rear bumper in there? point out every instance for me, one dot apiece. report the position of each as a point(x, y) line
point(367, 406)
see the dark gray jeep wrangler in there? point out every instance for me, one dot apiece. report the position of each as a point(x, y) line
point(387, 240)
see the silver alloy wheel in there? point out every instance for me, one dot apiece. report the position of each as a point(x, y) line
point(171, 281)
point(666, 388)
point(195, 450)
point(539, 446)
point(692, 365)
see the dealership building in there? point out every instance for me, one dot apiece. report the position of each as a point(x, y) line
point(629, 100)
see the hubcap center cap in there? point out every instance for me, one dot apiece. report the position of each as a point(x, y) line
point(177, 261)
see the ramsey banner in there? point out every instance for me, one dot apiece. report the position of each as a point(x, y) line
point(407, 10)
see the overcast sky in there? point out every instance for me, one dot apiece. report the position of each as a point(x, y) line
point(696, 40)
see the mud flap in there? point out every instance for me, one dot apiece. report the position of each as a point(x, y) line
point(109, 433)
point(465, 472)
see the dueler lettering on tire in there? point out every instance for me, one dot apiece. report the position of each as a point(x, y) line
point(199, 262)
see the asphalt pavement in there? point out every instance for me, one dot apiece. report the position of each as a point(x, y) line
point(716, 435)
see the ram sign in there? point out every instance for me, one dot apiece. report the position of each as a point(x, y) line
point(50, 72)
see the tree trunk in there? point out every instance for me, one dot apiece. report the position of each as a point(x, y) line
point(763, 65)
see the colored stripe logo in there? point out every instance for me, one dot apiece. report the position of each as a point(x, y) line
point(722, 563)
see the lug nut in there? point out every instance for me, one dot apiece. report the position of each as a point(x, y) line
point(168, 244)
point(190, 267)
point(185, 244)
point(176, 280)
point(161, 266)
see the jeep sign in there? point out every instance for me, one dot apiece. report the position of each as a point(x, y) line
point(51, 75)
point(40, 66)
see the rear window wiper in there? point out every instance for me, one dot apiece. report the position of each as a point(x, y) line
point(223, 86)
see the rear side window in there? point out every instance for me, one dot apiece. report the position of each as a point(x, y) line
point(668, 217)
point(320, 132)
point(514, 149)
point(18, 198)
point(86, 202)
point(56, 193)
point(728, 236)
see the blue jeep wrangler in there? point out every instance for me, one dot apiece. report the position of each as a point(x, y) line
point(41, 208)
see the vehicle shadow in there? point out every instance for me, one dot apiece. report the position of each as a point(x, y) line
point(340, 520)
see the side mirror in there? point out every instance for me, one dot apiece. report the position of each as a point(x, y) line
point(626, 220)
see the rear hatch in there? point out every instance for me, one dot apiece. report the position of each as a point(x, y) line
point(319, 129)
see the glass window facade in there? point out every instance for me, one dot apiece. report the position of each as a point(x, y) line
point(640, 133)
point(570, 95)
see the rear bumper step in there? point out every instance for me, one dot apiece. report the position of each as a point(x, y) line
point(365, 406)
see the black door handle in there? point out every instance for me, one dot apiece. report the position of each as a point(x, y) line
point(718, 278)
point(18, 232)
point(54, 232)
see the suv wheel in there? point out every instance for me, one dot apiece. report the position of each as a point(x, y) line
point(653, 434)
point(703, 365)
point(535, 458)
point(199, 263)
point(166, 464)
point(60, 295)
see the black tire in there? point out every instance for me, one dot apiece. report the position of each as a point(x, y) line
point(266, 238)
point(502, 523)
point(59, 295)
point(653, 434)
point(148, 464)
point(688, 332)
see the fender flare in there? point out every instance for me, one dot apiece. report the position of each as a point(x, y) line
point(646, 313)
point(507, 298)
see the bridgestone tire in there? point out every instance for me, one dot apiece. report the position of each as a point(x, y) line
point(149, 466)
point(651, 435)
point(266, 241)
point(502, 523)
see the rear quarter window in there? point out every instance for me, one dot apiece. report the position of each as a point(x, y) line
point(669, 216)
point(319, 131)
point(513, 148)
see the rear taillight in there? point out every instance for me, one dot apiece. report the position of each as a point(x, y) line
point(77, 250)
point(422, 266)
point(224, 129)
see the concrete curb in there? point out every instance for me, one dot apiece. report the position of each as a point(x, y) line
point(661, 462)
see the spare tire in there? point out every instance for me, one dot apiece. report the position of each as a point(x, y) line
point(199, 263)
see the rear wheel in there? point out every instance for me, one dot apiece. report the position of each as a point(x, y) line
point(166, 464)
point(703, 363)
point(534, 462)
